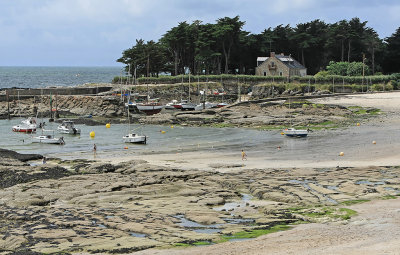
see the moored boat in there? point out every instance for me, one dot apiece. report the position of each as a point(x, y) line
point(68, 127)
point(134, 138)
point(206, 105)
point(26, 126)
point(188, 106)
point(149, 108)
point(292, 132)
point(48, 138)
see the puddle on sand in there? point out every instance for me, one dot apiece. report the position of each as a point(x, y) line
point(238, 221)
point(370, 183)
point(232, 205)
point(392, 189)
point(331, 187)
point(197, 227)
point(135, 234)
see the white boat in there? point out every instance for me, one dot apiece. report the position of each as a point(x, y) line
point(220, 105)
point(68, 127)
point(135, 138)
point(48, 138)
point(26, 126)
point(150, 108)
point(185, 105)
point(292, 132)
point(172, 105)
point(206, 105)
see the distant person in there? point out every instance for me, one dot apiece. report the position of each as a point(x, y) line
point(94, 150)
point(44, 160)
point(244, 155)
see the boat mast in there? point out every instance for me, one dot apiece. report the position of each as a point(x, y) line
point(189, 87)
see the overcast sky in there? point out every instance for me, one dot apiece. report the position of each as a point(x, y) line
point(95, 32)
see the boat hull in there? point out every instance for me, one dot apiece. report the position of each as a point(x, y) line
point(135, 139)
point(291, 132)
point(149, 109)
point(47, 140)
point(23, 129)
point(188, 107)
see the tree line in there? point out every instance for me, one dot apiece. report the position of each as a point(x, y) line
point(224, 47)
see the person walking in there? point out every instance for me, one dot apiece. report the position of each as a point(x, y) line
point(244, 155)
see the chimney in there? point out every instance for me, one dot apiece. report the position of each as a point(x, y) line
point(272, 54)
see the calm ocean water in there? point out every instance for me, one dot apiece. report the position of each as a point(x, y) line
point(44, 76)
point(323, 145)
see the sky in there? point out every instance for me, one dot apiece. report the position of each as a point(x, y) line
point(96, 32)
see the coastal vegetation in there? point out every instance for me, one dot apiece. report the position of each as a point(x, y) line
point(225, 47)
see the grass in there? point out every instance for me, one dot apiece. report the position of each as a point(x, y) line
point(254, 233)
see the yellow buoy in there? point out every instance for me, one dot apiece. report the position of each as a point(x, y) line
point(108, 125)
point(358, 124)
point(92, 134)
point(373, 142)
point(163, 132)
point(341, 153)
point(282, 133)
point(172, 126)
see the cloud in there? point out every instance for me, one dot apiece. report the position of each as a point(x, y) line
point(95, 31)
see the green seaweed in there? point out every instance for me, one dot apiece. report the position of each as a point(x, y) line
point(353, 202)
point(348, 213)
point(389, 197)
point(181, 245)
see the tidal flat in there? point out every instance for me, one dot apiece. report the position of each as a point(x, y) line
point(134, 205)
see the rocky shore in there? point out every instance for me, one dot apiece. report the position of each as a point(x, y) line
point(281, 109)
point(83, 206)
point(98, 110)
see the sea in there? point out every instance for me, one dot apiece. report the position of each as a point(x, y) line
point(49, 76)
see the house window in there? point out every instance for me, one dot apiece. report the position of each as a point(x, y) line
point(265, 73)
point(272, 64)
point(280, 73)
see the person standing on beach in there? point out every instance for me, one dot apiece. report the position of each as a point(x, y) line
point(94, 150)
point(244, 155)
point(44, 160)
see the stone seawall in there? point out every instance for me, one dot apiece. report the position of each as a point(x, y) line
point(29, 93)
